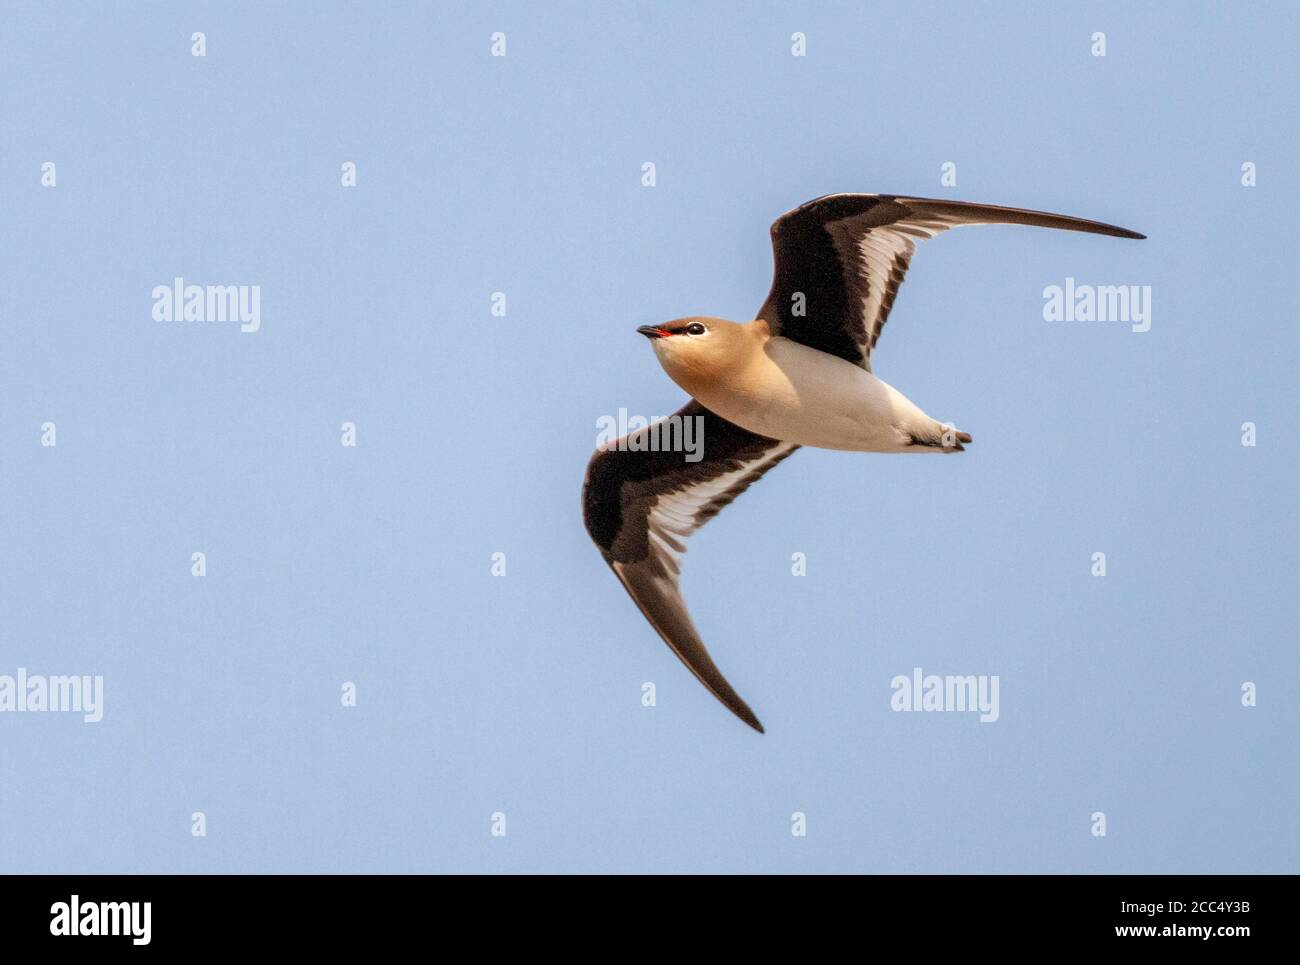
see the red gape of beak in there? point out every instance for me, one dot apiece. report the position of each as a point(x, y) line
point(654, 331)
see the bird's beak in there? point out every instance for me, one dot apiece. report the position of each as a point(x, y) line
point(653, 331)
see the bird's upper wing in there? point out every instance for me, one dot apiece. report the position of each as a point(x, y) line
point(640, 506)
point(839, 261)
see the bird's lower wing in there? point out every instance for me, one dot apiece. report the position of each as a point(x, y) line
point(643, 497)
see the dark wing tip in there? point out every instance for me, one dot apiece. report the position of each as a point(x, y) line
point(717, 683)
point(658, 596)
point(1117, 232)
point(733, 701)
point(1098, 228)
point(973, 213)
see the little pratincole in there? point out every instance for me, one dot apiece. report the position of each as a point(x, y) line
point(797, 375)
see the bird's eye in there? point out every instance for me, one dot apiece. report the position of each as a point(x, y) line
point(695, 328)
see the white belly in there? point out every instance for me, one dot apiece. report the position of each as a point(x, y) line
point(798, 394)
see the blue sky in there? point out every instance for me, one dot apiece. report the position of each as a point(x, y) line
point(522, 694)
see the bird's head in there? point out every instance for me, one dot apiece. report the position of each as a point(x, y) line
point(697, 347)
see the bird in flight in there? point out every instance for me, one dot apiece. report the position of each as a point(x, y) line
point(797, 375)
